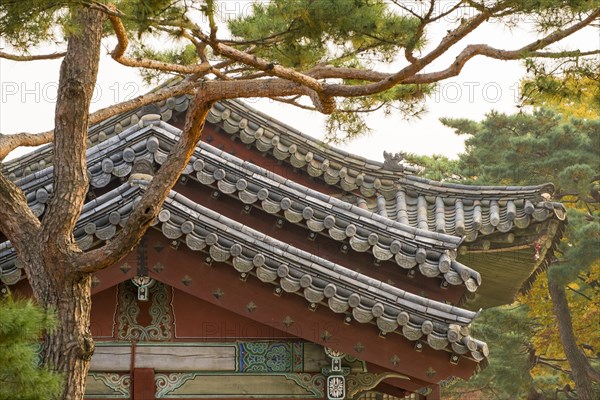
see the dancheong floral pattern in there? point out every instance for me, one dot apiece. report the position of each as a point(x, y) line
point(270, 357)
point(129, 310)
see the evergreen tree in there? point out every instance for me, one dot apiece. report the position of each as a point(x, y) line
point(21, 378)
point(561, 344)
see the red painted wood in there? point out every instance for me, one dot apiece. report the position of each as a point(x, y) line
point(104, 305)
point(143, 384)
point(199, 320)
point(115, 274)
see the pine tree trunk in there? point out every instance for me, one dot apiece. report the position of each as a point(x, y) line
point(578, 362)
point(69, 348)
point(57, 283)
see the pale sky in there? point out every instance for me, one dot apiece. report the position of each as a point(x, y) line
point(28, 92)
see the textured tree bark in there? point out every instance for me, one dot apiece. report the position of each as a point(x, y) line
point(580, 366)
point(57, 284)
point(69, 348)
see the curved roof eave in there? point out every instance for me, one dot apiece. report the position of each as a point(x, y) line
point(433, 253)
point(294, 270)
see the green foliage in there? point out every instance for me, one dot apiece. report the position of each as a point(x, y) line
point(176, 55)
point(509, 330)
point(582, 248)
point(436, 167)
point(21, 324)
point(550, 14)
point(27, 23)
point(531, 149)
point(142, 15)
point(342, 126)
point(300, 34)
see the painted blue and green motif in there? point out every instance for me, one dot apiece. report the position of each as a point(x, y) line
point(270, 357)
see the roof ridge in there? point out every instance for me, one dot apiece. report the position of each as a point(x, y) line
point(335, 166)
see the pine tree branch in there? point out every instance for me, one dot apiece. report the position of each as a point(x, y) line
point(553, 366)
point(324, 103)
point(470, 51)
point(529, 50)
point(32, 57)
point(294, 103)
point(265, 66)
point(581, 370)
point(8, 143)
point(210, 11)
point(552, 359)
point(271, 39)
point(408, 51)
point(406, 9)
point(563, 54)
point(77, 78)
point(186, 86)
point(409, 71)
point(157, 190)
point(328, 72)
point(118, 54)
point(579, 293)
point(17, 221)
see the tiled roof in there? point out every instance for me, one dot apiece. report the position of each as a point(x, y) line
point(296, 271)
point(392, 192)
point(420, 224)
point(456, 209)
point(433, 253)
point(485, 217)
point(99, 220)
point(460, 215)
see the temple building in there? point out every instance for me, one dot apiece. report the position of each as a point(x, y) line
point(280, 267)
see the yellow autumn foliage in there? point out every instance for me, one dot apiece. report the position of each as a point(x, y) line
point(584, 303)
point(571, 96)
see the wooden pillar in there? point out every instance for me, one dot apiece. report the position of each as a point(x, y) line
point(143, 388)
point(142, 380)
